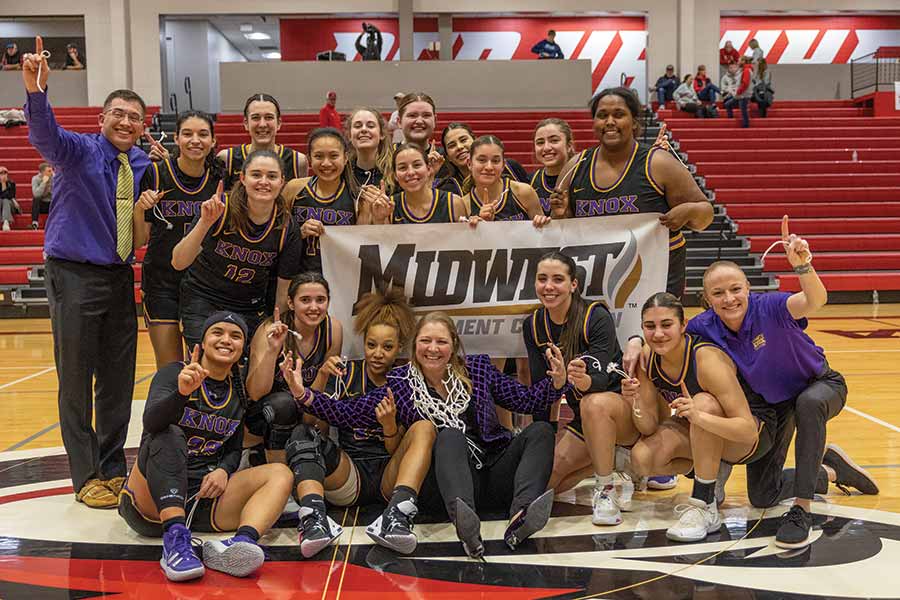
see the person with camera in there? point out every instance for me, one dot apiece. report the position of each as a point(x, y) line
point(372, 49)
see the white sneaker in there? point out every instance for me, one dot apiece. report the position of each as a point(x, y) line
point(5, 225)
point(606, 506)
point(697, 521)
point(623, 466)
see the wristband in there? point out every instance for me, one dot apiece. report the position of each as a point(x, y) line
point(803, 269)
point(636, 336)
point(305, 399)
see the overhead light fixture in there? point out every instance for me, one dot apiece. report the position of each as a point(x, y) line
point(246, 27)
point(257, 35)
point(272, 55)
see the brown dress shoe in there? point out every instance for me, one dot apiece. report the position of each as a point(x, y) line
point(115, 485)
point(96, 495)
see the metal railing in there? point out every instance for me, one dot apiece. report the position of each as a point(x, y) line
point(875, 71)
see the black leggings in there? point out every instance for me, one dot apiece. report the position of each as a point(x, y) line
point(513, 477)
point(767, 483)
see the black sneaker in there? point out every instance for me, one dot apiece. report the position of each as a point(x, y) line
point(394, 528)
point(316, 531)
point(468, 529)
point(531, 520)
point(848, 474)
point(794, 530)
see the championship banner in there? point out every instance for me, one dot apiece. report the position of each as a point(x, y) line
point(484, 277)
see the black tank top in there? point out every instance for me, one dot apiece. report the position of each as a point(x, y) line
point(670, 387)
point(510, 208)
point(180, 198)
point(451, 184)
point(235, 157)
point(634, 191)
point(337, 209)
point(359, 444)
point(311, 361)
point(234, 267)
point(441, 210)
point(544, 185)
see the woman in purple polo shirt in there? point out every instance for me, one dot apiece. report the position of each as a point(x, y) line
point(763, 334)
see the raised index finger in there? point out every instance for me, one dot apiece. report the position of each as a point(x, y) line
point(195, 353)
point(785, 230)
point(685, 391)
point(38, 46)
point(220, 190)
point(276, 315)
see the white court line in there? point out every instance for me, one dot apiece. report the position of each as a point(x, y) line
point(873, 419)
point(859, 351)
point(27, 377)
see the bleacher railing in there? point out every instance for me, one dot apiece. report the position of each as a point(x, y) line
point(876, 71)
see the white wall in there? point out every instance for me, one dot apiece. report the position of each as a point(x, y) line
point(194, 49)
point(17, 28)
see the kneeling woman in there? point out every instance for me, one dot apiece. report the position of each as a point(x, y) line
point(693, 413)
point(190, 451)
point(586, 335)
point(389, 462)
point(477, 462)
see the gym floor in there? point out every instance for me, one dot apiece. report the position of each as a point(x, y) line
point(52, 547)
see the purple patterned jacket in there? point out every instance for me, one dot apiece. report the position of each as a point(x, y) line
point(489, 386)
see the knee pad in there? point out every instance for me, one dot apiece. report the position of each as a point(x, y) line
point(304, 454)
point(274, 418)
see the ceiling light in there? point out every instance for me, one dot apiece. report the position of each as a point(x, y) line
point(272, 55)
point(257, 35)
point(246, 27)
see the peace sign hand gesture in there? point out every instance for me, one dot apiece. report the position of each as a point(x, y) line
point(662, 140)
point(557, 370)
point(293, 375)
point(31, 64)
point(192, 375)
point(796, 248)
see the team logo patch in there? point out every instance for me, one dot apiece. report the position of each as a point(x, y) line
point(759, 341)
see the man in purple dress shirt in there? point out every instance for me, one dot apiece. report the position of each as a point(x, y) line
point(90, 282)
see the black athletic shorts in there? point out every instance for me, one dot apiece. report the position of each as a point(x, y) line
point(370, 471)
point(194, 310)
point(161, 307)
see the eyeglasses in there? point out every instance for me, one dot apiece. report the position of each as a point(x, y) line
point(118, 113)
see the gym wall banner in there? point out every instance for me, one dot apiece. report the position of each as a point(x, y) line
point(484, 277)
point(811, 40)
point(616, 46)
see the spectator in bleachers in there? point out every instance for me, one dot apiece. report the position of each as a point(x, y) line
point(74, 60)
point(394, 122)
point(728, 55)
point(758, 53)
point(548, 48)
point(729, 84)
point(328, 115)
point(41, 190)
point(743, 92)
point(665, 86)
point(763, 94)
point(11, 60)
point(687, 100)
point(705, 88)
point(7, 197)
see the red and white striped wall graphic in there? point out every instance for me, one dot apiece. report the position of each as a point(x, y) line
point(616, 46)
point(811, 40)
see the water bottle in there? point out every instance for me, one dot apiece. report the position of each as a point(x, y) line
point(854, 157)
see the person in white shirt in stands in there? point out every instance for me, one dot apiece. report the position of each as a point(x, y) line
point(41, 190)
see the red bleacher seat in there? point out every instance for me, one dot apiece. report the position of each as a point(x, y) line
point(840, 184)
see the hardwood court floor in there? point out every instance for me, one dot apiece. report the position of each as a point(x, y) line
point(49, 544)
